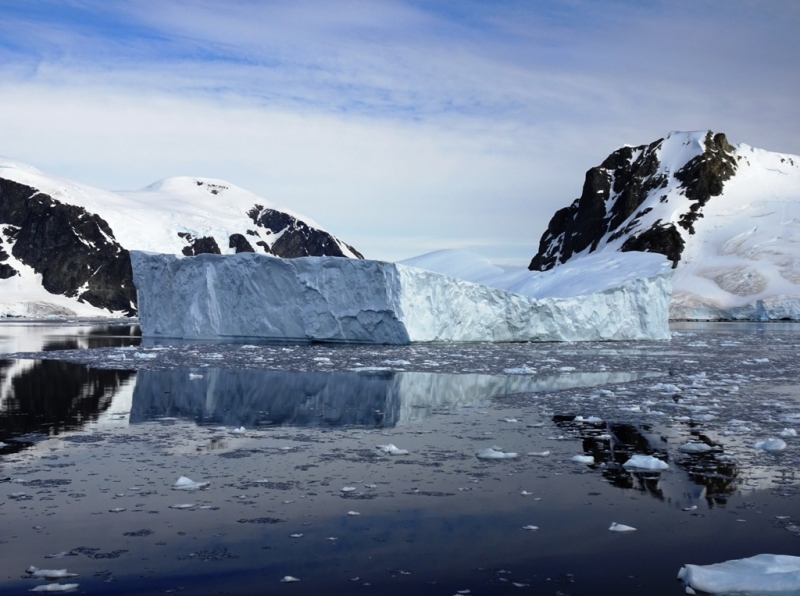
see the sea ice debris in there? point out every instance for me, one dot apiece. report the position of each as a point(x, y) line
point(695, 447)
point(530, 528)
point(491, 453)
point(787, 432)
point(392, 450)
point(49, 573)
point(772, 445)
point(615, 527)
point(287, 579)
point(583, 459)
point(54, 588)
point(184, 483)
point(645, 462)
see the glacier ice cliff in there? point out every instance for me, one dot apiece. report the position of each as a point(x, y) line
point(365, 301)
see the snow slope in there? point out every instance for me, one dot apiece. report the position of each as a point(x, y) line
point(728, 216)
point(181, 215)
point(348, 300)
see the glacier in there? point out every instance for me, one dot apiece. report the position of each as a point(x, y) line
point(330, 299)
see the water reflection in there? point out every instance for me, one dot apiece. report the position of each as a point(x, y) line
point(49, 397)
point(375, 399)
point(612, 444)
point(32, 336)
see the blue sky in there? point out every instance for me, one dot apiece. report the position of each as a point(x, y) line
point(402, 126)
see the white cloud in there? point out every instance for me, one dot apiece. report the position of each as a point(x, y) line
point(400, 128)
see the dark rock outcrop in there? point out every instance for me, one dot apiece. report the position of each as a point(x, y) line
point(198, 246)
point(74, 251)
point(297, 239)
point(622, 190)
point(240, 243)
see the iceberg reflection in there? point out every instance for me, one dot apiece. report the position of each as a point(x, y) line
point(374, 398)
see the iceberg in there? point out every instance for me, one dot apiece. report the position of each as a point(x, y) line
point(331, 299)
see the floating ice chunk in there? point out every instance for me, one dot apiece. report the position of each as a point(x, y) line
point(761, 573)
point(530, 528)
point(583, 459)
point(695, 447)
point(184, 483)
point(492, 453)
point(295, 535)
point(289, 579)
point(520, 370)
point(392, 450)
point(182, 506)
point(49, 573)
point(787, 432)
point(61, 555)
point(238, 431)
point(3, 444)
point(615, 527)
point(588, 419)
point(347, 489)
point(645, 462)
point(194, 376)
point(539, 453)
point(55, 588)
point(353, 513)
point(525, 493)
point(396, 362)
point(117, 510)
point(510, 420)
point(772, 445)
point(692, 508)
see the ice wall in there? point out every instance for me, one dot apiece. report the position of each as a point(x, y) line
point(344, 300)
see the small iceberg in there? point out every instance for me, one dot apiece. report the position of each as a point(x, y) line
point(238, 431)
point(772, 445)
point(287, 579)
point(48, 573)
point(392, 450)
point(785, 433)
point(539, 453)
point(583, 459)
point(530, 528)
point(615, 527)
point(761, 573)
point(55, 588)
point(645, 462)
point(695, 447)
point(492, 453)
point(184, 483)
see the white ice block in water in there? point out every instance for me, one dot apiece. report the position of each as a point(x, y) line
point(362, 301)
point(759, 574)
point(392, 450)
point(184, 483)
point(615, 527)
point(645, 462)
point(491, 453)
point(772, 444)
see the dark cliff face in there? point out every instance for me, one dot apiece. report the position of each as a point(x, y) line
point(297, 239)
point(74, 251)
point(622, 190)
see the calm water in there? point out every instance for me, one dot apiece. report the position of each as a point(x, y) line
point(95, 440)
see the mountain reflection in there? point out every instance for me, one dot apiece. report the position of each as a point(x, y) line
point(50, 397)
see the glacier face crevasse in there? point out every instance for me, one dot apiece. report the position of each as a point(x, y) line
point(363, 301)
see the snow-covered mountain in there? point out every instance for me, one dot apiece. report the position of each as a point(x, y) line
point(728, 217)
point(64, 246)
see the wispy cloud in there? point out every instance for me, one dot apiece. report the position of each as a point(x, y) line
point(482, 115)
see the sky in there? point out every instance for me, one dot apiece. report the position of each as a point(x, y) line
point(402, 126)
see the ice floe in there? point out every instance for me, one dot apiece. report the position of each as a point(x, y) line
point(583, 459)
point(760, 573)
point(615, 527)
point(48, 573)
point(392, 450)
point(645, 462)
point(184, 483)
point(772, 445)
point(492, 453)
point(54, 588)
